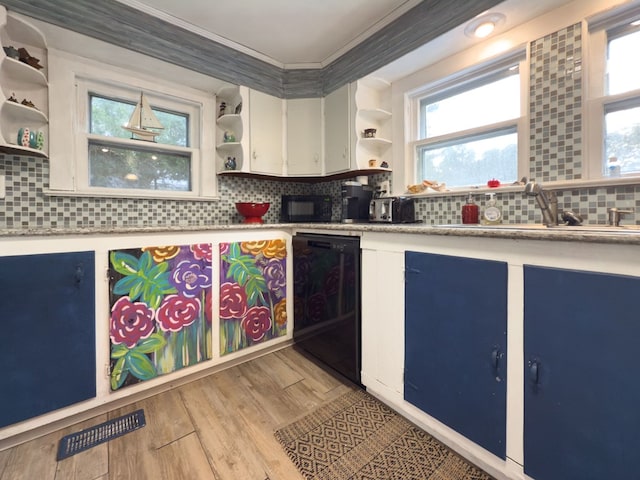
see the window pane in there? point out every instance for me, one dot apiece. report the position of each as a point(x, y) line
point(623, 74)
point(472, 161)
point(486, 104)
point(109, 115)
point(115, 167)
point(622, 139)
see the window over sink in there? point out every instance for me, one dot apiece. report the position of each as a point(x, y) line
point(468, 125)
point(614, 94)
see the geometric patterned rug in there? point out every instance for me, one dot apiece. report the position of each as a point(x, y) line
point(356, 437)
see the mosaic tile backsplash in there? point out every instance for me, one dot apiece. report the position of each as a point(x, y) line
point(555, 106)
point(555, 154)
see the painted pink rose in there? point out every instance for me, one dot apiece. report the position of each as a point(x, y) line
point(177, 312)
point(130, 322)
point(233, 300)
point(257, 322)
point(202, 251)
point(224, 248)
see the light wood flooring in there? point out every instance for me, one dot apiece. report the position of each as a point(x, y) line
point(216, 428)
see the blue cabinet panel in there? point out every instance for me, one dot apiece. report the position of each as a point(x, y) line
point(47, 339)
point(455, 344)
point(582, 390)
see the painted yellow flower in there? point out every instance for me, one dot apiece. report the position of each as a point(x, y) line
point(280, 312)
point(163, 253)
point(268, 248)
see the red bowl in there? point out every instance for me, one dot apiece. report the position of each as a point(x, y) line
point(252, 212)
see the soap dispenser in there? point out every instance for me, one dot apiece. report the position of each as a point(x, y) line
point(470, 211)
point(492, 214)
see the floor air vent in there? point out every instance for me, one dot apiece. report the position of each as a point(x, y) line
point(78, 442)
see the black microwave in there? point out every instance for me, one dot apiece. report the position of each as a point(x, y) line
point(305, 208)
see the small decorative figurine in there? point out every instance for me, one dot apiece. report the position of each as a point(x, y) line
point(28, 59)
point(230, 163)
point(228, 137)
point(28, 103)
point(12, 52)
point(238, 108)
point(223, 108)
point(30, 139)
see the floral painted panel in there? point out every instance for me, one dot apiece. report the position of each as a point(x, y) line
point(161, 310)
point(252, 293)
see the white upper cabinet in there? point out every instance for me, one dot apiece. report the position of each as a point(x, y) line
point(337, 131)
point(266, 126)
point(24, 90)
point(304, 136)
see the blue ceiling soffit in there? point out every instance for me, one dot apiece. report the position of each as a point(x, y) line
point(124, 26)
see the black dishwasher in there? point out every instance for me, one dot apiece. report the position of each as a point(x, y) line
point(327, 300)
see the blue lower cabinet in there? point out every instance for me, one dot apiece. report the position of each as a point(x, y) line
point(582, 389)
point(47, 339)
point(455, 344)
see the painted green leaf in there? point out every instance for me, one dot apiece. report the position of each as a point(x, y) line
point(119, 373)
point(255, 287)
point(119, 350)
point(154, 343)
point(143, 279)
point(124, 263)
point(140, 366)
point(243, 269)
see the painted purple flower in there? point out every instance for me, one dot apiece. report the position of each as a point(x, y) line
point(233, 301)
point(130, 322)
point(275, 275)
point(315, 307)
point(257, 322)
point(177, 312)
point(190, 278)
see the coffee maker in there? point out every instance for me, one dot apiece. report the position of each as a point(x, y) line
point(355, 202)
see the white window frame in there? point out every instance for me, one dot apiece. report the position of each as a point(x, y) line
point(597, 99)
point(456, 80)
point(73, 78)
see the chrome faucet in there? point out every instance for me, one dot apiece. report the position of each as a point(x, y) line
point(615, 215)
point(547, 201)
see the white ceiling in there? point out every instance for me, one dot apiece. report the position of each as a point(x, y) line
point(286, 33)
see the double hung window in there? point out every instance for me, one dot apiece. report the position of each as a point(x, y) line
point(614, 92)
point(468, 126)
point(96, 156)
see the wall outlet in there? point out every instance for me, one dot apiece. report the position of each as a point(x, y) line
point(2, 186)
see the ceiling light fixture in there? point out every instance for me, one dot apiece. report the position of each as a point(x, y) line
point(483, 25)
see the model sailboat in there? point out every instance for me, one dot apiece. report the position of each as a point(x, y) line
point(143, 122)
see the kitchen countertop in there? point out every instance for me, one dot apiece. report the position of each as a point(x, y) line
point(593, 234)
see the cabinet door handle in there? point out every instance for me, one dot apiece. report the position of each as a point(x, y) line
point(79, 276)
point(534, 371)
point(495, 357)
